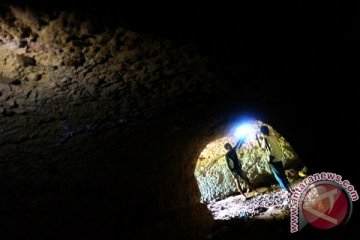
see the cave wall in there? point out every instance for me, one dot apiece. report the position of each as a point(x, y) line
point(79, 150)
point(101, 124)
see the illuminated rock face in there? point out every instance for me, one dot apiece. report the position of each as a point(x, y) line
point(60, 58)
point(215, 179)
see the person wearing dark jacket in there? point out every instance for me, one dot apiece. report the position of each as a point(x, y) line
point(234, 165)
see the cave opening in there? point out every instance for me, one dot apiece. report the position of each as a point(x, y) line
point(217, 184)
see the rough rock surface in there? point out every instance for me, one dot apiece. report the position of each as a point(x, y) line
point(216, 181)
point(269, 205)
point(76, 103)
point(101, 123)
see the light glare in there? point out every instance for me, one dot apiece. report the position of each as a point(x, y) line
point(243, 131)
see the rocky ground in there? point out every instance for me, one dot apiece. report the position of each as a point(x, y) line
point(266, 205)
point(236, 217)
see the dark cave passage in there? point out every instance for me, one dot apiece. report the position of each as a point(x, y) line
point(103, 116)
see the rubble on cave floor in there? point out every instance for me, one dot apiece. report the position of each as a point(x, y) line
point(269, 205)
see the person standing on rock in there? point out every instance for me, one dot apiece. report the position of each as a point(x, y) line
point(276, 158)
point(234, 165)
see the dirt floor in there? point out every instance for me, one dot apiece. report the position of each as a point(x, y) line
point(266, 215)
point(267, 205)
point(256, 218)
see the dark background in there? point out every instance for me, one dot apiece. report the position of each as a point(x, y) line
point(300, 60)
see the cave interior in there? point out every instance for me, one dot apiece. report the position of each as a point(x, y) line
point(105, 109)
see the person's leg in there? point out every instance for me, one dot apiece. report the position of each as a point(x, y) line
point(283, 175)
point(237, 183)
point(278, 176)
point(279, 166)
point(246, 180)
point(239, 187)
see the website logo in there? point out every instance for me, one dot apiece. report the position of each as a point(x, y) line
point(322, 200)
